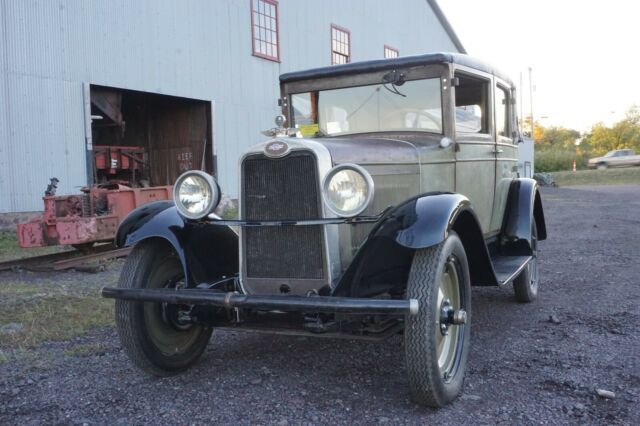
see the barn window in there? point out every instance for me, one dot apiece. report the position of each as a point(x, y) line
point(340, 45)
point(391, 52)
point(264, 28)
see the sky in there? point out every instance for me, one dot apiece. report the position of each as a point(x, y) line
point(584, 55)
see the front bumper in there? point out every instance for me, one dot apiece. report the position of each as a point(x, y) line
point(230, 300)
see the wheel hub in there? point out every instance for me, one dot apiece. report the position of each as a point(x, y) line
point(450, 316)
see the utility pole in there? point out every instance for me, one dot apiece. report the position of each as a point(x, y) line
point(531, 106)
point(521, 111)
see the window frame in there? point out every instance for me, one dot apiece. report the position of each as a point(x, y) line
point(348, 33)
point(508, 113)
point(488, 125)
point(253, 32)
point(392, 49)
point(314, 91)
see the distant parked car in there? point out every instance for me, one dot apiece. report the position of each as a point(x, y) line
point(616, 158)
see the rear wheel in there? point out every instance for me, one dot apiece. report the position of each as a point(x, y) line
point(155, 336)
point(437, 338)
point(526, 284)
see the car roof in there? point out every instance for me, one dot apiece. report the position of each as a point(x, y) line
point(390, 63)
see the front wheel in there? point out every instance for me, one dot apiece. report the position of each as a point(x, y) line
point(437, 339)
point(155, 335)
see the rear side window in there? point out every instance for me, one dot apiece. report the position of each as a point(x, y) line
point(472, 105)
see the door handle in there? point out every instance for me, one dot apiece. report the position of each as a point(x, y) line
point(497, 151)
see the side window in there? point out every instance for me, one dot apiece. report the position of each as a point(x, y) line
point(472, 105)
point(502, 107)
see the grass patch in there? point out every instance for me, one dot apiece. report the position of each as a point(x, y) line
point(40, 314)
point(10, 249)
point(230, 213)
point(25, 358)
point(630, 175)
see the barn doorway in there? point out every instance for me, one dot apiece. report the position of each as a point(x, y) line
point(148, 139)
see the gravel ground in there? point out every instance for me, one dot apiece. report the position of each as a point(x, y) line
point(539, 363)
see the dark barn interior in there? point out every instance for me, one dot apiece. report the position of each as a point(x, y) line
point(174, 133)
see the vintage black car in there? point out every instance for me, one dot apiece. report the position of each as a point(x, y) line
point(391, 190)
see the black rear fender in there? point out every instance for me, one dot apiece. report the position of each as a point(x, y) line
point(383, 262)
point(524, 205)
point(207, 252)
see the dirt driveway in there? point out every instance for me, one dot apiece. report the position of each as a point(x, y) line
point(530, 364)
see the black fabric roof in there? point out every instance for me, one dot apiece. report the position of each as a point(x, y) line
point(391, 63)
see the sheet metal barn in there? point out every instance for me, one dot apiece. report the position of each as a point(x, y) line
point(191, 82)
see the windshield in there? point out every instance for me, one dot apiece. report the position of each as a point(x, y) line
point(611, 154)
point(413, 106)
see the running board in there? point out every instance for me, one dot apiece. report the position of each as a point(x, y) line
point(507, 268)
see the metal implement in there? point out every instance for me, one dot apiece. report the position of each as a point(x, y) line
point(86, 218)
point(231, 300)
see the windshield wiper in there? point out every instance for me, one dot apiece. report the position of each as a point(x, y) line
point(396, 79)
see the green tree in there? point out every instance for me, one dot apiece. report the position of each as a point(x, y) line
point(557, 137)
point(623, 134)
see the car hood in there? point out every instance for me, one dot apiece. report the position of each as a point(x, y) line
point(378, 149)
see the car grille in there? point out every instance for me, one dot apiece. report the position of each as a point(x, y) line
point(276, 189)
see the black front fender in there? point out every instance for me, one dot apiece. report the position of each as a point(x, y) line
point(207, 252)
point(383, 262)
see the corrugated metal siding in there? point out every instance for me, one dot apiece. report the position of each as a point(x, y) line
point(195, 48)
point(412, 28)
point(6, 179)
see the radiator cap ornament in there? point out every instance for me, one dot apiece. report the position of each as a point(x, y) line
point(276, 149)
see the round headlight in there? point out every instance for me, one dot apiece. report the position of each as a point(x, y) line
point(347, 190)
point(196, 194)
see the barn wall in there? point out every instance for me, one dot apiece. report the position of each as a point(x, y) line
point(198, 49)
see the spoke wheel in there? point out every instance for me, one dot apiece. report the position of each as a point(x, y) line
point(157, 336)
point(526, 284)
point(437, 338)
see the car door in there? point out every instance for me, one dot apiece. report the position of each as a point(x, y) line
point(475, 145)
point(626, 157)
point(506, 152)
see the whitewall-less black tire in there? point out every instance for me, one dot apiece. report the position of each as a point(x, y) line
point(436, 350)
point(526, 284)
point(151, 333)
